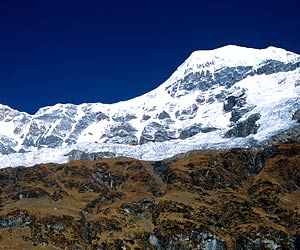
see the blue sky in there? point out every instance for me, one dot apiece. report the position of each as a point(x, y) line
point(87, 51)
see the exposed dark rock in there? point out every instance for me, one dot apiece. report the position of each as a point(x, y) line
point(6, 145)
point(80, 155)
point(289, 135)
point(297, 242)
point(195, 129)
point(33, 134)
point(196, 240)
point(230, 75)
point(203, 81)
point(231, 101)
point(208, 129)
point(234, 101)
point(58, 195)
point(273, 66)
point(211, 99)
point(200, 99)
point(50, 141)
point(163, 170)
point(22, 151)
point(18, 218)
point(122, 133)
point(4, 149)
point(190, 131)
point(237, 114)
point(296, 115)
point(156, 132)
point(123, 119)
point(90, 185)
point(146, 117)
point(256, 244)
point(244, 128)
point(101, 116)
point(187, 113)
point(221, 97)
point(163, 115)
point(31, 193)
point(161, 136)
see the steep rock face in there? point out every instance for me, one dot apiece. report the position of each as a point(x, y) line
point(156, 132)
point(121, 133)
point(203, 81)
point(222, 89)
point(244, 128)
point(232, 199)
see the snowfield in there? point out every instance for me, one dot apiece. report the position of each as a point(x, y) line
point(208, 103)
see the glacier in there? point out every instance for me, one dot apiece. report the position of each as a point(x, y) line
point(228, 97)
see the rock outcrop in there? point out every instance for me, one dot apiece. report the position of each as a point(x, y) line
point(244, 128)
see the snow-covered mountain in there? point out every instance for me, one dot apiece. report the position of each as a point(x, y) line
point(227, 97)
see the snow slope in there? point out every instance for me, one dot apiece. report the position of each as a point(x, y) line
point(227, 97)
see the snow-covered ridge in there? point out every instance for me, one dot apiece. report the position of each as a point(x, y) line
point(241, 56)
point(227, 97)
point(232, 56)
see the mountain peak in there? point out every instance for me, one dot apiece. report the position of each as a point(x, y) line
point(233, 55)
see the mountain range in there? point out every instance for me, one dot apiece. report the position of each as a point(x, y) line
point(208, 160)
point(224, 98)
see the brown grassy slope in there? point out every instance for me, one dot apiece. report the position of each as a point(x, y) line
point(114, 203)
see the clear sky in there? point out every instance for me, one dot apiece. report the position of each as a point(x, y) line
point(87, 51)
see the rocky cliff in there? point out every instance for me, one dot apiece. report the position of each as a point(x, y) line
point(229, 199)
